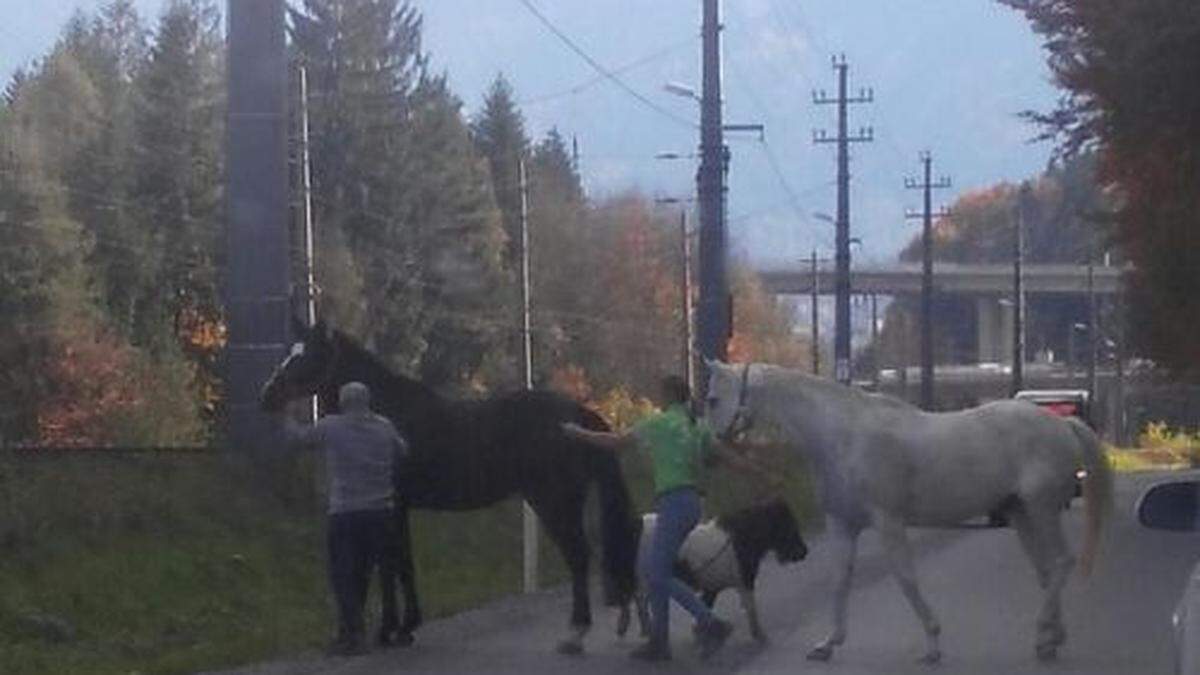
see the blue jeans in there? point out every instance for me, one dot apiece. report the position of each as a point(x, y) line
point(678, 513)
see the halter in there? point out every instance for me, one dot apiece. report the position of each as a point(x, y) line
point(742, 413)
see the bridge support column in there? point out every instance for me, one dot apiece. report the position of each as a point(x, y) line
point(994, 330)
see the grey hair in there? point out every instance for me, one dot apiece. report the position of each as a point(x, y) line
point(354, 397)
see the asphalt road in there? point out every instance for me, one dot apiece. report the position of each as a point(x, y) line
point(976, 579)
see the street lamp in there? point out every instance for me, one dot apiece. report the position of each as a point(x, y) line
point(681, 90)
point(675, 155)
point(689, 362)
point(1082, 328)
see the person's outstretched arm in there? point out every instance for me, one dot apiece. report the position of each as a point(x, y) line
point(607, 439)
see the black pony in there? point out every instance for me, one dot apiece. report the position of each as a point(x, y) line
point(471, 454)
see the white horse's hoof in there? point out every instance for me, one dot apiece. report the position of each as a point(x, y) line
point(570, 648)
point(932, 658)
point(820, 653)
point(623, 623)
point(1046, 653)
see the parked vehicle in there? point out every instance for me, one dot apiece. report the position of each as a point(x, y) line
point(1175, 506)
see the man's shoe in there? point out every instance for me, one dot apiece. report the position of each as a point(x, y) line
point(713, 636)
point(395, 638)
point(346, 647)
point(651, 651)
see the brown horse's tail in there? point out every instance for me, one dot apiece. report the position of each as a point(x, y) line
point(1097, 491)
point(616, 518)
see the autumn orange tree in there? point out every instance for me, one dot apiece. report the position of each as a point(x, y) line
point(1128, 71)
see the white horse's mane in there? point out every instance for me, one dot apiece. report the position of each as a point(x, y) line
point(769, 374)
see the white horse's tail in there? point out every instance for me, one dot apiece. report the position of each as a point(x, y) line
point(1097, 491)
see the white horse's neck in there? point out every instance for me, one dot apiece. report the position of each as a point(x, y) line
point(798, 406)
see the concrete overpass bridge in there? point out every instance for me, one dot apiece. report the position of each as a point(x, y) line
point(990, 285)
point(948, 278)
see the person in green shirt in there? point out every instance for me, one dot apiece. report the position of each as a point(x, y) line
point(679, 445)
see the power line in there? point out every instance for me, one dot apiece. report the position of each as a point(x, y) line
point(607, 74)
point(590, 82)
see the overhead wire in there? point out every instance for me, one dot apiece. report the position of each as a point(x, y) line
point(604, 72)
point(592, 81)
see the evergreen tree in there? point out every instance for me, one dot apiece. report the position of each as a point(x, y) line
point(499, 132)
point(399, 187)
point(459, 240)
point(111, 48)
point(177, 167)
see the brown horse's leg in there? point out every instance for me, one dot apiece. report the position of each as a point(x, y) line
point(563, 519)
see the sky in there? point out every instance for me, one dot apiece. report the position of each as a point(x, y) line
point(948, 76)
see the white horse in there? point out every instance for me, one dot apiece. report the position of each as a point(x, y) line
point(885, 464)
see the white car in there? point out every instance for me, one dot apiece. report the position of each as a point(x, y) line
point(1175, 506)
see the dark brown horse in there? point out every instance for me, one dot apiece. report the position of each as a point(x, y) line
point(471, 454)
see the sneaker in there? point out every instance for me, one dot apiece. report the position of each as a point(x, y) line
point(713, 636)
point(651, 651)
point(395, 638)
point(346, 647)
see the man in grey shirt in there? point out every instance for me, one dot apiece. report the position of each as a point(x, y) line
point(362, 452)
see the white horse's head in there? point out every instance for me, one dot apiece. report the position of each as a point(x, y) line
point(728, 394)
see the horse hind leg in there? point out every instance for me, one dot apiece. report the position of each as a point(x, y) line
point(564, 524)
point(1023, 525)
point(899, 554)
point(1047, 526)
point(845, 542)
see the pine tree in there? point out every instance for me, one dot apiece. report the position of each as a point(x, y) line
point(170, 297)
point(459, 238)
point(399, 188)
point(111, 48)
point(499, 132)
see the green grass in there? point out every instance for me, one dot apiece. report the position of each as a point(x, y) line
point(173, 564)
point(178, 564)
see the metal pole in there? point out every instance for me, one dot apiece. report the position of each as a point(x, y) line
point(528, 517)
point(841, 312)
point(1121, 435)
point(927, 185)
point(841, 338)
point(310, 281)
point(1018, 355)
point(712, 318)
point(1093, 324)
point(927, 291)
point(689, 363)
point(816, 326)
point(875, 340)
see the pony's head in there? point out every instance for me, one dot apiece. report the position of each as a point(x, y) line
point(762, 528)
point(726, 404)
point(304, 370)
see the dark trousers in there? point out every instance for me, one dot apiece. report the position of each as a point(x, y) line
point(358, 541)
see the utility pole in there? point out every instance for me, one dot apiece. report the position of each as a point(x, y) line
point(310, 280)
point(1093, 324)
point(713, 320)
point(927, 214)
point(875, 340)
point(816, 329)
point(528, 518)
point(843, 140)
point(256, 277)
point(1018, 357)
point(689, 362)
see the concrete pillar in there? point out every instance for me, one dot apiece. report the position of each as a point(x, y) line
point(994, 330)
